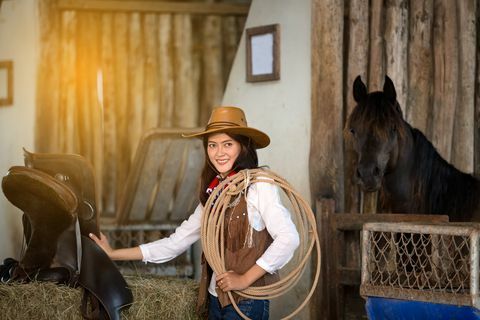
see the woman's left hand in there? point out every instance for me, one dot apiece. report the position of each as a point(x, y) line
point(231, 280)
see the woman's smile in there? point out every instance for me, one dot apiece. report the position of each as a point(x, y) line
point(222, 152)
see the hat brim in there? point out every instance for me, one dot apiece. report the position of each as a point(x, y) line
point(260, 139)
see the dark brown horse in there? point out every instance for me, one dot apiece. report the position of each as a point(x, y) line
point(402, 164)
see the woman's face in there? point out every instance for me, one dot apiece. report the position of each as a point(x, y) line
point(222, 151)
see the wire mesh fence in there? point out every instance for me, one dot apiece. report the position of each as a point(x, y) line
point(434, 263)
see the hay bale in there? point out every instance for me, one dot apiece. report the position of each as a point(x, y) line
point(154, 298)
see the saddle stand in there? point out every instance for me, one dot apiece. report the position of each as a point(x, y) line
point(56, 192)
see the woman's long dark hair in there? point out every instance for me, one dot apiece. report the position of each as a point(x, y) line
point(247, 159)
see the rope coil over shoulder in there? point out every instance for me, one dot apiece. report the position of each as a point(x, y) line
point(212, 234)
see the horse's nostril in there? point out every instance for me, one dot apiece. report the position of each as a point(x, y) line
point(376, 171)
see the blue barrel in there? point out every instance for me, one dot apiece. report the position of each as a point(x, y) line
point(396, 309)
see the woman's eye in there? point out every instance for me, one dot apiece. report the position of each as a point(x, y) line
point(211, 145)
point(228, 144)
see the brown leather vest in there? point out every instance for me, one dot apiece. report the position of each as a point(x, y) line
point(243, 247)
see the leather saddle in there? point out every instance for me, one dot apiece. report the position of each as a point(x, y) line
point(56, 192)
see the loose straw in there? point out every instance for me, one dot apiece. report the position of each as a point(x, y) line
point(212, 234)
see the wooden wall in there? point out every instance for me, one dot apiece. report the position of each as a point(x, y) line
point(429, 48)
point(111, 70)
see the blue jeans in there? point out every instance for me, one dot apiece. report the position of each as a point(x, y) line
point(254, 309)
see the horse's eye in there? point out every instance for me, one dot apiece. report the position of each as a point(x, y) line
point(352, 131)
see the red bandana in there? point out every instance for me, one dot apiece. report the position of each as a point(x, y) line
point(216, 181)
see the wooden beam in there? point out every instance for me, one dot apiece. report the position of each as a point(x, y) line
point(155, 6)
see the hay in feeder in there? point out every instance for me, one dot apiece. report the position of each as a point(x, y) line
point(154, 298)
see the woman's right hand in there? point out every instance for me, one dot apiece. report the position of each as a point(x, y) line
point(102, 243)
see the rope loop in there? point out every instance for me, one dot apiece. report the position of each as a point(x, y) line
point(212, 236)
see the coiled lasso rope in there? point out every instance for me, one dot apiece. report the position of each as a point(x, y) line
point(212, 233)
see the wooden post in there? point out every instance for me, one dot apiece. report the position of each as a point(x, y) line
point(357, 57)
point(322, 307)
point(326, 152)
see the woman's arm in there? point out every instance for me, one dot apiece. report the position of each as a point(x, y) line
point(162, 250)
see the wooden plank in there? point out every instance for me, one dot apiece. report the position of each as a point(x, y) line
point(187, 197)
point(349, 276)
point(47, 120)
point(167, 180)
point(396, 43)
point(165, 72)
point(463, 133)
point(477, 108)
point(357, 57)
point(152, 94)
point(120, 47)
point(420, 65)
point(345, 221)
point(140, 191)
point(321, 303)
point(68, 83)
point(156, 6)
point(110, 145)
point(136, 71)
point(148, 176)
point(445, 41)
point(376, 78)
point(326, 151)
point(212, 76)
point(230, 44)
point(186, 104)
point(377, 58)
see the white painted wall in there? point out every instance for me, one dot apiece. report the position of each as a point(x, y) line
point(19, 43)
point(281, 109)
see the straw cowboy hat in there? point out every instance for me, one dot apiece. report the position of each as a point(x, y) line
point(232, 120)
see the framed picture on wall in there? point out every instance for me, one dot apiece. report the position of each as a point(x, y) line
point(6, 83)
point(263, 53)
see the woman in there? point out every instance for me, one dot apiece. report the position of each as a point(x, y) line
point(260, 235)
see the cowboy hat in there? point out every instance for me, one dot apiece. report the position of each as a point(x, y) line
point(232, 120)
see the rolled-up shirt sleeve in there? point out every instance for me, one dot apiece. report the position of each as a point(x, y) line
point(277, 219)
point(185, 235)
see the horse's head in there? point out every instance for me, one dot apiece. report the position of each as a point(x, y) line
point(375, 127)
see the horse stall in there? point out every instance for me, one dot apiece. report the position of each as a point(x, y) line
point(340, 233)
point(429, 50)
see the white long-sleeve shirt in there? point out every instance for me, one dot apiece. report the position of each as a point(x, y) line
point(265, 210)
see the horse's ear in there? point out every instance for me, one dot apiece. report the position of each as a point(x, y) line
point(359, 90)
point(389, 90)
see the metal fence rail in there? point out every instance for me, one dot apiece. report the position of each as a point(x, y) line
point(433, 263)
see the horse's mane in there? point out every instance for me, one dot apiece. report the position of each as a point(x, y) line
point(440, 188)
